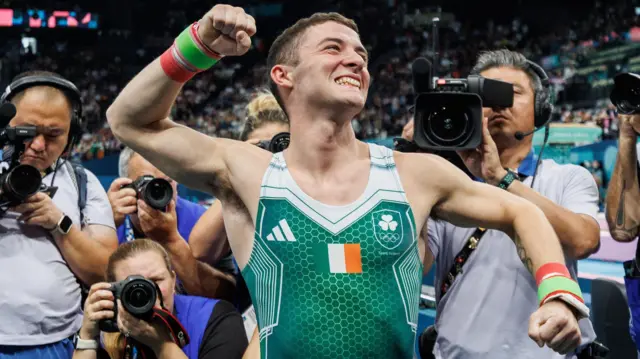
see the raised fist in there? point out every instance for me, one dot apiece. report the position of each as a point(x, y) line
point(227, 30)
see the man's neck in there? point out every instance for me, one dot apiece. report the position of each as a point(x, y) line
point(319, 142)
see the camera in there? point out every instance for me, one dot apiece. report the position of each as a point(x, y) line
point(448, 112)
point(626, 93)
point(17, 181)
point(138, 296)
point(156, 192)
point(278, 143)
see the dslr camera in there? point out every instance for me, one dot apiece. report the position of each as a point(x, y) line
point(138, 296)
point(626, 93)
point(448, 112)
point(156, 192)
point(278, 143)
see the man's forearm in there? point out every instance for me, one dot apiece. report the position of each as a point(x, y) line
point(86, 257)
point(623, 194)
point(536, 241)
point(146, 99)
point(198, 278)
point(85, 354)
point(579, 236)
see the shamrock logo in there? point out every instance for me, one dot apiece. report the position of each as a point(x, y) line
point(387, 223)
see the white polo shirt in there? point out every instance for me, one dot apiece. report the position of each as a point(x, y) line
point(485, 313)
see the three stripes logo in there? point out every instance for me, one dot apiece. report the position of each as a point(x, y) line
point(281, 233)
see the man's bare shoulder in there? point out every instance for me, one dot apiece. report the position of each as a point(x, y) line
point(422, 165)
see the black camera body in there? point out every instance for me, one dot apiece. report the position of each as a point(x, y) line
point(156, 192)
point(448, 115)
point(626, 93)
point(17, 181)
point(278, 143)
point(138, 296)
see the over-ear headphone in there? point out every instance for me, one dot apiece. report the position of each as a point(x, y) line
point(542, 104)
point(67, 87)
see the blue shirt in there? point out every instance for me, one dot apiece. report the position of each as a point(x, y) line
point(188, 214)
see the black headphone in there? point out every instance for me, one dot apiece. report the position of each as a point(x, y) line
point(67, 87)
point(542, 104)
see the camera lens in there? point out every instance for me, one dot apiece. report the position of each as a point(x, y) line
point(279, 142)
point(138, 297)
point(158, 193)
point(448, 125)
point(22, 182)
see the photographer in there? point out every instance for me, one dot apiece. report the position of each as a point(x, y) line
point(208, 239)
point(623, 210)
point(170, 228)
point(50, 245)
point(213, 326)
point(484, 292)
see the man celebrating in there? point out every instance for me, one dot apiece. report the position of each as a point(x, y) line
point(484, 292)
point(46, 250)
point(326, 231)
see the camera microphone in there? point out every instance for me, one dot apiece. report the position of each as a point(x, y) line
point(421, 72)
point(519, 135)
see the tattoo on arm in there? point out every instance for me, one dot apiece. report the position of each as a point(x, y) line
point(620, 227)
point(522, 253)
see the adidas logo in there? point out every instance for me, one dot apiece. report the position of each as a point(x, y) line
point(281, 233)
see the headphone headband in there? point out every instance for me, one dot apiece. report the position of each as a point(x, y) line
point(26, 82)
point(542, 75)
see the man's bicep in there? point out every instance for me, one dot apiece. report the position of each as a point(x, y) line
point(471, 204)
point(186, 155)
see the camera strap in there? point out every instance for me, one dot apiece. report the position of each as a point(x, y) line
point(136, 350)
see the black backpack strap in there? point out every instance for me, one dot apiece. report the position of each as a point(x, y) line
point(79, 177)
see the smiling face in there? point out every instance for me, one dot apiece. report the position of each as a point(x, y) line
point(505, 122)
point(330, 72)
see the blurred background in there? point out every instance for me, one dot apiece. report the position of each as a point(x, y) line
point(100, 45)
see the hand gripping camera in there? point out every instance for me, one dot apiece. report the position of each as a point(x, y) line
point(156, 192)
point(278, 143)
point(138, 296)
point(448, 113)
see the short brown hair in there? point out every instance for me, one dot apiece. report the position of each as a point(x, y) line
point(285, 46)
point(263, 109)
point(129, 249)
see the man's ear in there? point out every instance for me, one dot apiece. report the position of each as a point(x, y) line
point(282, 75)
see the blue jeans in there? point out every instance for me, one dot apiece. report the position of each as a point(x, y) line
point(59, 350)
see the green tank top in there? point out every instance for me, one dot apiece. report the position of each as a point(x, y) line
point(335, 281)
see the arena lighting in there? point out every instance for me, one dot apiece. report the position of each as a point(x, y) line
point(34, 18)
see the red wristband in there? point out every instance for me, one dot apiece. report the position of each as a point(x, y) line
point(549, 270)
point(204, 48)
point(173, 69)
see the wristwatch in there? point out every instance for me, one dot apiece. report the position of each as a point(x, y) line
point(507, 179)
point(84, 344)
point(64, 225)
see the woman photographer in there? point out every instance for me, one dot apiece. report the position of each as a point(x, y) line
point(214, 327)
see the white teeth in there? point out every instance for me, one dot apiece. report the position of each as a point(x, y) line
point(348, 81)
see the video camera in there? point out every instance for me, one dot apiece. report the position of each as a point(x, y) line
point(448, 112)
point(626, 93)
point(138, 296)
point(156, 192)
point(278, 143)
point(17, 181)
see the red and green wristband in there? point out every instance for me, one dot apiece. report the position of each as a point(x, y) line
point(554, 282)
point(188, 56)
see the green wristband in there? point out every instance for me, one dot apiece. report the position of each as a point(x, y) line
point(555, 284)
point(191, 52)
